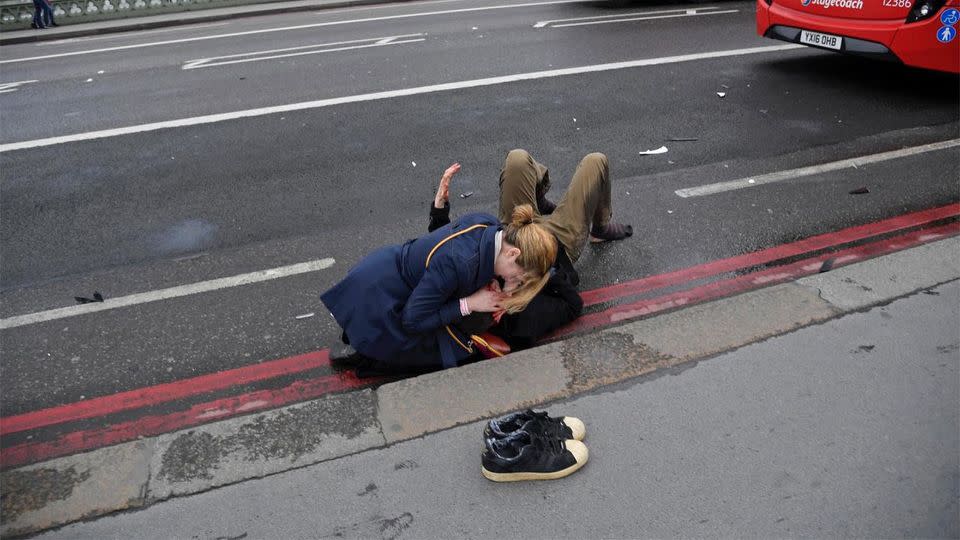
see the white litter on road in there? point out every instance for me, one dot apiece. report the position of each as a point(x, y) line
point(661, 150)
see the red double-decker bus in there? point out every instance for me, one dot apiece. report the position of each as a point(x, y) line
point(920, 33)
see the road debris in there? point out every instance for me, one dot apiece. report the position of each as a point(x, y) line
point(860, 191)
point(661, 150)
point(305, 316)
point(414, 163)
point(827, 265)
point(721, 94)
point(97, 297)
point(682, 139)
point(465, 195)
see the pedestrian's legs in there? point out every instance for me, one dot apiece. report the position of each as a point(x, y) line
point(48, 13)
point(586, 201)
point(522, 180)
point(37, 14)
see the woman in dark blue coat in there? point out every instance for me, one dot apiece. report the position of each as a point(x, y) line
point(400, 305)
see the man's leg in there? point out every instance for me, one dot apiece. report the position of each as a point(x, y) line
point(586, 202)
point(522, 181)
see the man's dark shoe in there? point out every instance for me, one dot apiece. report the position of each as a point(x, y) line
point(537, 423)
point(610, 231)
point(522, 456)
point(545, 206)
point(345, 357)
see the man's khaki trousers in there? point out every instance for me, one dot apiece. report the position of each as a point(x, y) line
point(586, 202)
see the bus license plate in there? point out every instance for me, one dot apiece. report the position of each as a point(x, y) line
point(820, 40)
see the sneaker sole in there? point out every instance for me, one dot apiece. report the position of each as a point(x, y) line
point(520, 476)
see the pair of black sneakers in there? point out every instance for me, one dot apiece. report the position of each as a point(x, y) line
point(530, 445)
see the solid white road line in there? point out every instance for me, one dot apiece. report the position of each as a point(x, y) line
point(445, 87)
point(165, 294)
point(617, 17)
point(779, 176)
point(286, 29)
point(653, 17)
point(302, 50)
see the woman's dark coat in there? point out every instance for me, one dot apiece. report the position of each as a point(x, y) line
point(395, 309)
point(554, 306)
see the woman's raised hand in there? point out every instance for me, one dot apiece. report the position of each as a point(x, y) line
point(485, 300)
point(443, 191)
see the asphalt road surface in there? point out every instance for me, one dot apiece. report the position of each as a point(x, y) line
point(334, 127)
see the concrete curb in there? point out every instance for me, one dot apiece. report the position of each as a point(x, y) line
point(139, 473)
point(12, 37)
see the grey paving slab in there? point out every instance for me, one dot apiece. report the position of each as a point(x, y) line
point(878, 280)
point(67, 489)
point(193, 460)
point(412, 407)
point(731, 322)
point(847, 428)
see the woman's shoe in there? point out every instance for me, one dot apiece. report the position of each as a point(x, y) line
point(523, 456)
point(538, 423)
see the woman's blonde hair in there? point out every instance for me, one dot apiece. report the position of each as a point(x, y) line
point(538, 251)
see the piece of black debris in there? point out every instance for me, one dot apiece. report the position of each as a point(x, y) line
point(465, 195)
point(683, 139)
point(97, 297)
point(827, 265)
point(860, 191)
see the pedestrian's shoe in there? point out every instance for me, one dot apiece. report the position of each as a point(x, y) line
point(610, 231)
point(523, 456)
point(564, 427)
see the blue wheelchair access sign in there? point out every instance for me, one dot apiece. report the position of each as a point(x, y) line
point(950, 16)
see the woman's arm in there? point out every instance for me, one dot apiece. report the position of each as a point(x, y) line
point(434, 302)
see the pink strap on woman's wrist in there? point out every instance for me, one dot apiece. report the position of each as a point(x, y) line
point(464, 308)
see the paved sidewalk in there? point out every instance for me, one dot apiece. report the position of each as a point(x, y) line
point(65, 31)
point(843, 429)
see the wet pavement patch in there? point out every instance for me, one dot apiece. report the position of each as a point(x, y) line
point(286, 434)
point(191, 455)
point(24, 491)
point(608, 357)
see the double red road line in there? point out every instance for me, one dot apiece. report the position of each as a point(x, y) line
point(315, 387)
point(765, 256)
point(163, 393)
